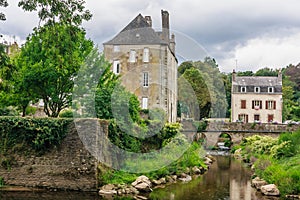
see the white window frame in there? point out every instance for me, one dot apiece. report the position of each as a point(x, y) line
point(243, 87)
point(116, 67)
point(258, 89)
point(145, 103)
point(272, 89)
point(145, 79)
point(116, 48)
point(132, 56)
point(146, 54)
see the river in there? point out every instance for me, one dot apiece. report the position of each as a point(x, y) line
point(227, 179)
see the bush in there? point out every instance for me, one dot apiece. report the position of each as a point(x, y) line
point(66, 114)
point(38, 133)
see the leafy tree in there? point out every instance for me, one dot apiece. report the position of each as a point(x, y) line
point(50, 60)
point(245, 73)
point(70, 12)
point(266, 72)
point(184, 66)
point(3, 3)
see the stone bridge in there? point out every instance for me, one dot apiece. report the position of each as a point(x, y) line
point(236, 131)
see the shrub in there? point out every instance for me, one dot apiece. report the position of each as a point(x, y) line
point(66, 114)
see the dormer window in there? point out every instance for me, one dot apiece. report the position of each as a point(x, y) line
point(256, 89)
point(243, 90)
point(270, 90)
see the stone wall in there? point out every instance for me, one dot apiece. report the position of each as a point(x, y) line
point(66, 167)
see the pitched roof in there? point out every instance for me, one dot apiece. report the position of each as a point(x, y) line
point(257, 80)
point(138, 31)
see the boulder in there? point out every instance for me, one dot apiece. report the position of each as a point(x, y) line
point(270, 190)
point(169, 179)
point(143, 187)
point(142, 183)
point(141, 179)
point(258, 183)
point(196, 170)
point(160, 181)
point(107, 192)
point(186, 179)
point(108, 187)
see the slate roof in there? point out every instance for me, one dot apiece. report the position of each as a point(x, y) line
point(138, 31)
point(257, 81)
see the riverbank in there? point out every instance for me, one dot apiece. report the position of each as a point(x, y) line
point(192, 163)
point(274, 160)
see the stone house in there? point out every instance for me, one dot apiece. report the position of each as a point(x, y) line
point(256, 99)
point(146, 61)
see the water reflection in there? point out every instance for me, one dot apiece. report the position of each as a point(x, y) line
point(226, 179)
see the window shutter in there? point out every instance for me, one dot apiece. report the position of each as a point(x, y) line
point(260, 104)
point(252, 104)
point(274, 104)
point(267, 105)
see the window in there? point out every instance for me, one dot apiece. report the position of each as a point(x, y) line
point(116, 66)
point(271, 105)
point(256, 118)
point(145, 79)
point(270, 118)
point(243, 89)
point(243, 104)
point(132, 56)
point(257, 89)
point(145, 103)
point(256, 104)
point(270, 90)
point(146, 55)
point(243, 118)
point(116, 48)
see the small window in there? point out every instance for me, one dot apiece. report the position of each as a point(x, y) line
point(243, 89)
point(256, 118)
point(243, 104)
point(270, 90)
point(270, 118)
point(116, 48)
point(146, 55)
point(271, 105)
point(257, 89)
point(243, 118)
point(145, 79)
point(256, 104)
point(132, 56)
point(116, 67)
point(145, 103)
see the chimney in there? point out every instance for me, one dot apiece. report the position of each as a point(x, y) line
point(149, 20)
point(280, 77)
point(233, 76)
point(172, 43)
point(165, 25)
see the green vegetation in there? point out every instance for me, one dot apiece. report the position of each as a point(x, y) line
point(38, 133)
point(192, 157)
point(275, 160)
point(205, 82)
point(1, 182)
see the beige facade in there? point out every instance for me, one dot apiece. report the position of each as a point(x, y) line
point(256, 99)
point(146, 61)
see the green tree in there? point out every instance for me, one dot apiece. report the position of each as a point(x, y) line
point(3, 3)
point(50, 60)
point(266, 72)
point(70, 12)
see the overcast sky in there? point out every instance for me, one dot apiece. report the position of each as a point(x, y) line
point(256, 33)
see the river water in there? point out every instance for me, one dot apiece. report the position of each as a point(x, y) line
point(227, 179)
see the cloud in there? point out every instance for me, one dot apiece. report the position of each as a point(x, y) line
point(265, 51)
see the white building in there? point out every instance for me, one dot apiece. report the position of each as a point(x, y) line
point(256, 99)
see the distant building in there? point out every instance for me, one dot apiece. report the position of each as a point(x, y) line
point(256, 99)
point(11, 48)
point(146, 61)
